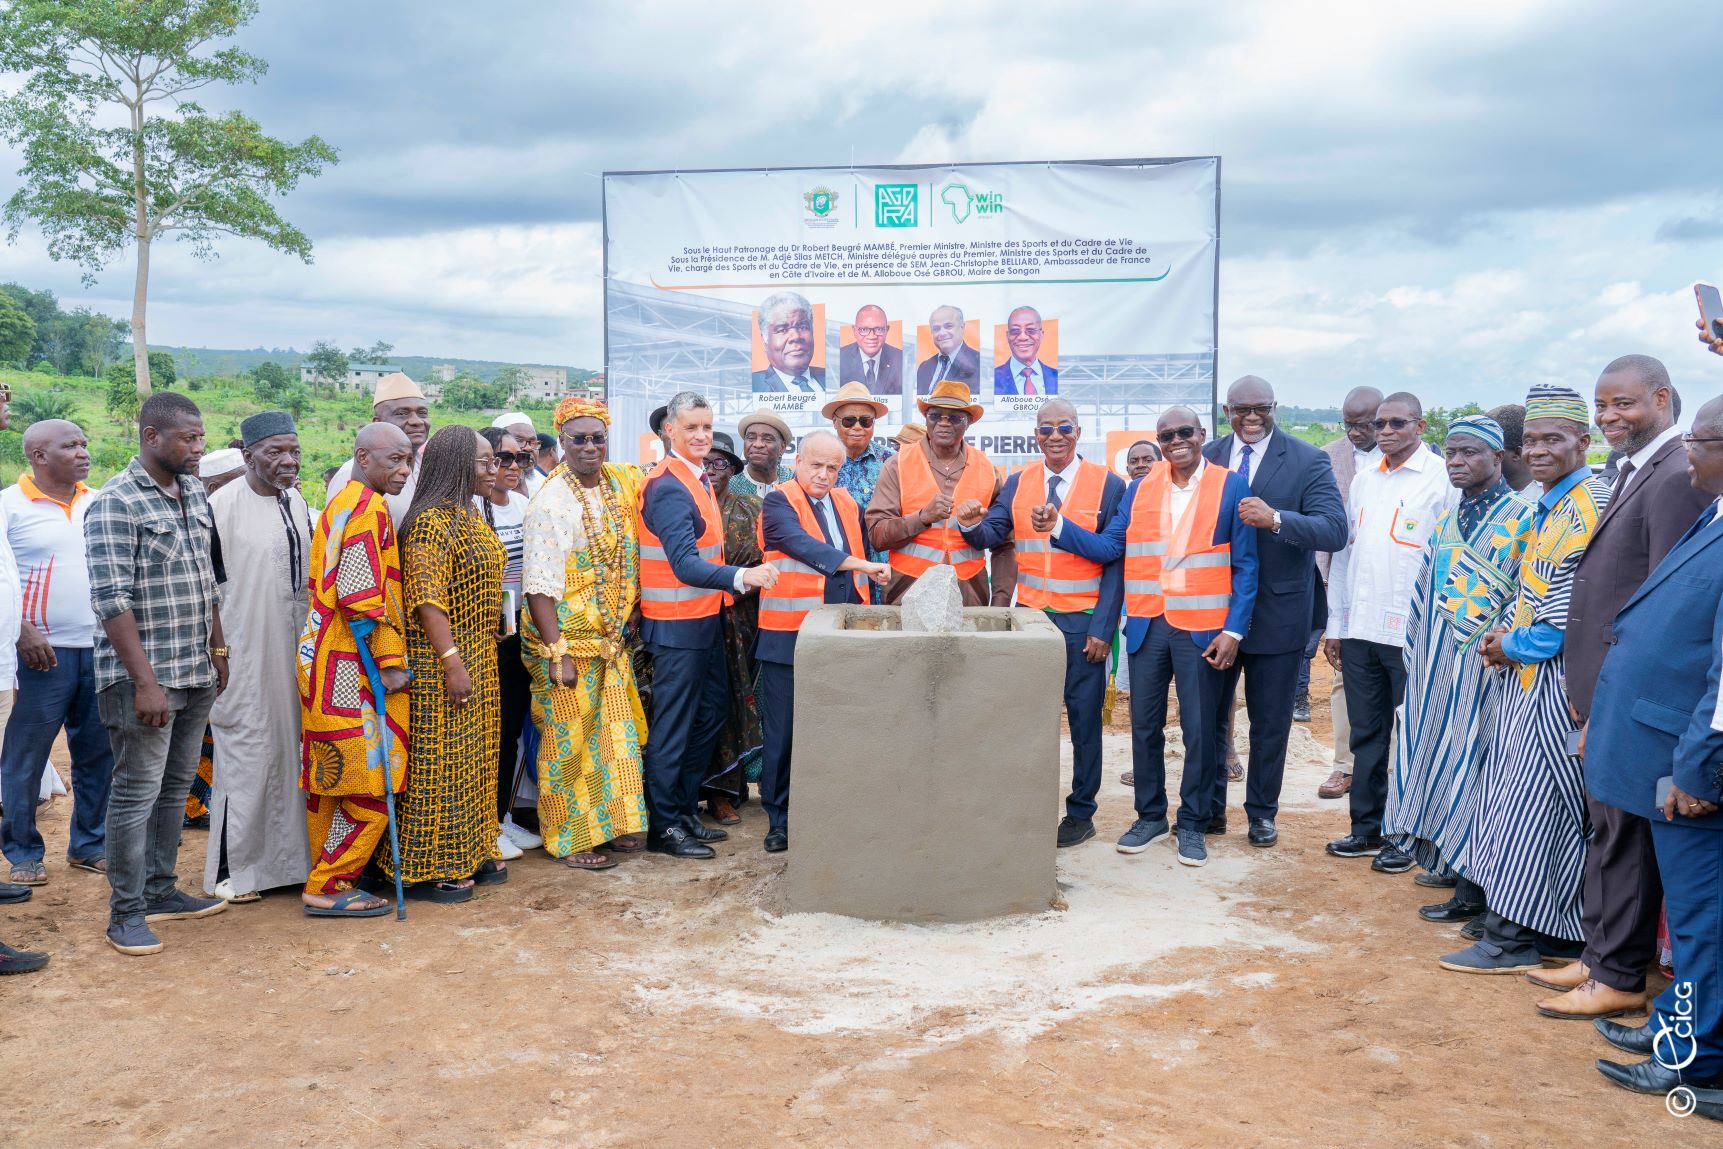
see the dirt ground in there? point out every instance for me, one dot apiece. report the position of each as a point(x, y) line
point(1276, 997)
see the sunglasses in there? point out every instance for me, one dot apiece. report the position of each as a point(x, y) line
point(857, 420)
point(718, 463)
point(1397, 424)
point(518, 459)
point(1689, 440)
point(1171, 433)
point(1242, 411)
point(938, 416)
point(1065, 429)
point(596, 438)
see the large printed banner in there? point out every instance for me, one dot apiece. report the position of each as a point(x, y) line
point(1093, 282)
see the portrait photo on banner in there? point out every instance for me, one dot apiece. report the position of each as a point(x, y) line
point(1025, 359)
point(870, 351)
point(789, 351)
point(948, 346)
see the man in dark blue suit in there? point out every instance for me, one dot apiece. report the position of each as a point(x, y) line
point(830, 559)
point(1081, 598)
point(1024, 373)
point(1651, 719)
point(1296, 508)
point(682, 581)
point(1183, 624)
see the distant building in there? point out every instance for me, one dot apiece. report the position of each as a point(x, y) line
point(360, 377)
point(443, 372)
point(546, 384)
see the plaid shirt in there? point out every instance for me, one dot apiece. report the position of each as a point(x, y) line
point(149, 553)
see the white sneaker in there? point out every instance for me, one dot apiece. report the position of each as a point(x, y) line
point(520, 835)
point(506, 848)
point(225, 891)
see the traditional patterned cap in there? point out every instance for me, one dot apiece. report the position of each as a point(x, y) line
point(265, 424)
point(576, 407)
point(1548, 402)
point(1479, 427)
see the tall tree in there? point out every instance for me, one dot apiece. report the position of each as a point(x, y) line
point(17, 332)
point(327, 364)
point(376, 354)
point(172, 167)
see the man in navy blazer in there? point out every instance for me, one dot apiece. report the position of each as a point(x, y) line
point(1651, 718)
point(834, 554)
point(1162, 654)
point(1296, 509)
point(690, 684)
point(1088, 632)
point(1024, 373)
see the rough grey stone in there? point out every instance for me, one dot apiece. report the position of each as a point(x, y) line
point(934, 605)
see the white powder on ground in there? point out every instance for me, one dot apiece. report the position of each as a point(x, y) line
point(820, 973)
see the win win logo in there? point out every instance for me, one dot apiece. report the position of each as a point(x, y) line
point(965, 202)
point(896, 205)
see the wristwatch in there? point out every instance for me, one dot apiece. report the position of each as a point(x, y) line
point(218, 652)
point(1277, 522)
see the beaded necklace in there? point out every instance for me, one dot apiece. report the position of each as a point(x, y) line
point(606, 550)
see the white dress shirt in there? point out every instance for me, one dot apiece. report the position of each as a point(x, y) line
point(1641, 459)
point(1392, 516)
point(740, 587)
point(789, 381)
point(1037, 377)
point(1257, 451)
point(1066, 478)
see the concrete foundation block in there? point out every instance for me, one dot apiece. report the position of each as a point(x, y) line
point(925, 776)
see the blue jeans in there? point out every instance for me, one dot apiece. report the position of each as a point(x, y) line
point(1310, 649)
point(48, 700)
point(153, 769)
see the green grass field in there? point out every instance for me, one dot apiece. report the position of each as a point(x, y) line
point(326, 428)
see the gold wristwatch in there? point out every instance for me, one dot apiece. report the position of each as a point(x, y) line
point(218, 652)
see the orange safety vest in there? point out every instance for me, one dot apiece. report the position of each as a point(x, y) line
point(662, 595)
point(1049, 579)
point(801, 588)
point(1177, 569)
point(942, 543)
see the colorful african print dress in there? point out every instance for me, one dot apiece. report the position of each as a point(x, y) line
point(355, 590)
point(736, 754)
point(582, 552)
point(448, 815)
point(1528, 846)
point(1468, 580)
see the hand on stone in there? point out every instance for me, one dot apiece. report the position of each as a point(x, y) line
point(970, 512)
point(1043, 517)
point(760, 577)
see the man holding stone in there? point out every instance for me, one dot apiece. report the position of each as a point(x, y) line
point(1080, 596)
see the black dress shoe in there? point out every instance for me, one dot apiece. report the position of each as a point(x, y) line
point(777, 841)
point(1649, 1077)
point(1436, 881)
point(1216, 825)
point(701, 832)
point(1262, 832)
point(1392, 860)
point(1357, 846)
point(678, 843)
point(1075, 831)
point(1474, 929)
point(1452, 910)
point(1627, 1038)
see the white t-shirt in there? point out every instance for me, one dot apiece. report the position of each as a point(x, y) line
point(509, 521)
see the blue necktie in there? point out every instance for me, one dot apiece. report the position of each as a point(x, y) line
point(1053, 491)
point(1244, 464)
point(820, 511)
point(801, 381)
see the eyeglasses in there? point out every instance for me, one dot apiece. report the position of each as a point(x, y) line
point(1171, 433)
point(596, 438)
point(1065, 429)
point(1359, 425)
point(1242, 411)
point(1689, 440)
point(935, 415)
point(517, 459)
point(857, 420)
point(718, 463)
point(486, 464)
point(872, 330)
point(1397, 424)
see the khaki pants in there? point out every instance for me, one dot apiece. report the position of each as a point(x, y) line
point(1342, 727)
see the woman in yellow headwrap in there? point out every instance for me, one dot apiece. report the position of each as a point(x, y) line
point(581, 575)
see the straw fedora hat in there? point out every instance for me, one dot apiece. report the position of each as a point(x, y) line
point(765, 417)
point(854, 392)
point(952, 393)
point(909, 434)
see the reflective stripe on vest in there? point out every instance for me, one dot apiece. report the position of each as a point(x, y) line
point(800, 587)
point(942, 543)
point(1176, 569)
point(1049, 578)
point(662, 595)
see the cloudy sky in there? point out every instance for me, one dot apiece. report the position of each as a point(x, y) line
point(1463, 199)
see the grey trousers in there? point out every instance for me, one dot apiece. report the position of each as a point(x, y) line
point(153, 770)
